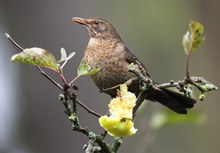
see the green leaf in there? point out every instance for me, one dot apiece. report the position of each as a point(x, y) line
point(193, 38)
point(196, 30)
point(85, 69)
point(36, 56)
point(166, 117)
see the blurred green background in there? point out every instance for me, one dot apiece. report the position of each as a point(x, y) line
point(32, 118)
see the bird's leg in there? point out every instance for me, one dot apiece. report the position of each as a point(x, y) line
point(117, 86)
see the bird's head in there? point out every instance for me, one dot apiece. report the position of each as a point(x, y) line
point(98, 28)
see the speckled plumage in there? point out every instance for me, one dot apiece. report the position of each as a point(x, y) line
point(109, 75)
point(107, 51)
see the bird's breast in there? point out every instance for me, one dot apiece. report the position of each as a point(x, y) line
point(109, 57)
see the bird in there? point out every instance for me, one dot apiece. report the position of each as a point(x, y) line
point(107, 52)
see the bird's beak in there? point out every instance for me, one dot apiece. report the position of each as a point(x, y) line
point(80, 20)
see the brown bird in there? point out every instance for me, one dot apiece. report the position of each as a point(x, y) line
point(108, 52)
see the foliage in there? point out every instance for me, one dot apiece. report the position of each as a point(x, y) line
point(193, 38)
point(36, 56)
point(85, 69)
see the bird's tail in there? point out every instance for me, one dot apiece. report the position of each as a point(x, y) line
point(173, 100)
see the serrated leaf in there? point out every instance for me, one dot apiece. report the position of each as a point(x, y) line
point(163, 118)
point(63, 55)
point(36, 56)
point(85, 69)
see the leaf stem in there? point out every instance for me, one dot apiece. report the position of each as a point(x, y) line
point(62, 78)
point(187, 65)
point(72, 82)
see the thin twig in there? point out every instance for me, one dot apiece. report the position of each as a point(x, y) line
point(72, 82)
point(141, 97)
point(13, 42)
point(49, 78)
point(39, 68)
point(87, 108)
point(62, 78)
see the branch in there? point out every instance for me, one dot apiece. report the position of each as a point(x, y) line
point(13, 42)
point(49, 78)
point(87, 108)
point(116, 145)
point(139, 101)
point(39, 68)
point(76, 126)
point(147, 85)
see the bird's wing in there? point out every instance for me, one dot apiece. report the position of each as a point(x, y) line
point(131, 58)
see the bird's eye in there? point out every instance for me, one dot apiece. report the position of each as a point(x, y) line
point(96, 22)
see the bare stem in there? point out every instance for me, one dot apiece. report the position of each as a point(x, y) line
point(187, 65)
point(72, 82)
point(13, 41)
point(87, 108)
point(63, 78)
point(139, 101)
point(49, 78)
